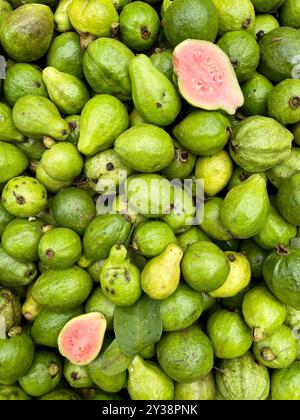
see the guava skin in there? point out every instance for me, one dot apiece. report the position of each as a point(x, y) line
point(229, 334)
point(181, 309)
point(204, 389)
point(16, 357)
point(262, 312)
point(278, 350)
point(26, 33)
point(205, 267)
point(285, 383)
point(120, 278)
point(151, 238)
point(147, 381)
point(196, 348)
point(48, 323)
point(24, 196)
point(62, 289)
point(195, 20)
point(13, 161)
point(243, 379)
point(12, 392)
point(279, 274)
point(43, 375)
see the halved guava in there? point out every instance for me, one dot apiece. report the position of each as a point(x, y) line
point(205, 76)
point(80, 340)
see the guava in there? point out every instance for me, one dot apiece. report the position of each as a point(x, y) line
point(265, 6)
point(80, 340)
point(243, 379)
point(206, 77)
point(285, 383)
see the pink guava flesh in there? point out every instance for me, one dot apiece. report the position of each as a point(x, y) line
point(205, 76)
point(80, 340)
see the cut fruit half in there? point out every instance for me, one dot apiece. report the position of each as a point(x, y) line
point(205, 76)
point(80, 340)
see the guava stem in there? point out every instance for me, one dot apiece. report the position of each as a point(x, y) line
point(2, 328)
point(260, 34)
point(231, 258)
point(53, 369)
point(183, 156)
point(282, 250)
point(159, 50)
point(48, 142)
point(72, 125)
point(115, 29)
point(267, 354)
point(85, 39)
point(33, 165)
point(46, 228)
point(14, 331)
point(84, 262)
point(258, 334)
point(135, 247)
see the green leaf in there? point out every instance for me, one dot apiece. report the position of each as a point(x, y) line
point(113, 361)
point(137, 326)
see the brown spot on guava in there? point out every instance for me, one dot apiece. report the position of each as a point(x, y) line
point(37, 84)
point(110, 166)
point(184, 156)
point(294, 102)
point(72, 125)
point(282, 250)
point(127, 276)
point(243, 176)
point(49, 253)
point(75, 376)
point(20, 199)
point(64, 132)
point(145, 33)
point(231, 258)
point(158, 105)
point(234, 147)
point(112, 292)
point(260, 34)
point(247, 22)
